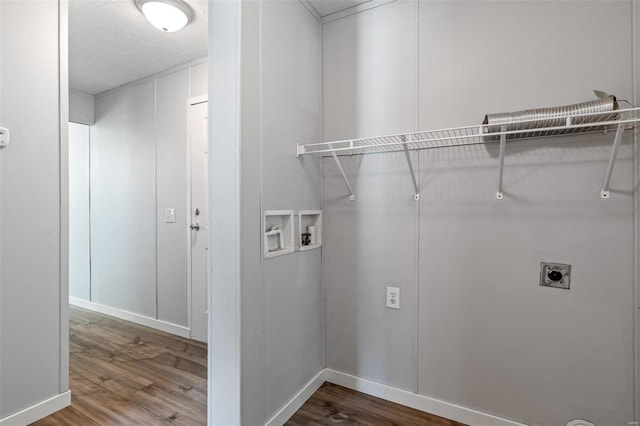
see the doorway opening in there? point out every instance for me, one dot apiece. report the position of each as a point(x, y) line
point(138, 231)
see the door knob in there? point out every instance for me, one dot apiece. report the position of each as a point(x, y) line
point(195, 226)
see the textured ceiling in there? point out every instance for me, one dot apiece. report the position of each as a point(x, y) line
point(327, 7)
point(111, 43)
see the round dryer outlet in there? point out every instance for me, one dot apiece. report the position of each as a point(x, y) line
point(580, 423)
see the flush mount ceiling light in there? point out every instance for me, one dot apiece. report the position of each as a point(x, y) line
point(166, 15)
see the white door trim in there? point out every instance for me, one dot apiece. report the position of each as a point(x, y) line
point(63, 105)
point(195, 100)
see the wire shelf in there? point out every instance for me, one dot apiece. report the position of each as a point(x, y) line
point(480, 134)
point(552, 125)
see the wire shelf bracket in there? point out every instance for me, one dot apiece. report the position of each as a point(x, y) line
point(503, 144)
point(416, 191)
point(604, 191)
point(352, 196)
point(300, 151)
point(484, 134)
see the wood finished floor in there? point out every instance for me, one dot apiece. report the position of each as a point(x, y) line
point(335, 405)
point(125, 374)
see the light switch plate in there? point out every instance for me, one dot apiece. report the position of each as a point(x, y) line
point(556, 275)
point(393, 297)
point(170, 215)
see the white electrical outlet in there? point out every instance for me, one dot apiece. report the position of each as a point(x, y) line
point(170, 215)
point(393, 297)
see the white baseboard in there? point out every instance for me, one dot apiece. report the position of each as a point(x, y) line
point(399, 396)
point(419, 402)
point(167, 327)
point(38, 411)
point(297, 401)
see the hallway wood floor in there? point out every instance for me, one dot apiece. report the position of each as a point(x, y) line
point(125, 374)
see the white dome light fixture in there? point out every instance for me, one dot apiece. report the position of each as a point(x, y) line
point(166, 15)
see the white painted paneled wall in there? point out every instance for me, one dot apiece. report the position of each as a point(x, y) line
point(269, 102)
point(171, 192)
point(79, 221)
point(81, 107)
point(475, 328)
point(123, 197)
point(291, 112)
point(34, 355)
point(139, 168)
point(636, 101)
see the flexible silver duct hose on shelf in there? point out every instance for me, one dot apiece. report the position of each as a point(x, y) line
point(532, 119)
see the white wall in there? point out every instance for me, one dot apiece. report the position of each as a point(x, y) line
point(291, 112)
point(475, 328)
point(138, 168)
point(226, 357)
point(123, 226)
point(171, 191)
point(79, 222)
point(198, 79)
point(636, 101)
point(33, 104)
point(265, 106)
point(81, 107)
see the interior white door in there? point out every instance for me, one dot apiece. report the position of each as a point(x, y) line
point(199, 227)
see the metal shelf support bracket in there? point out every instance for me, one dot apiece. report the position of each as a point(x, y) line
point(352, 196)
point(503, 143)
point(604, 191)
point(416, 191)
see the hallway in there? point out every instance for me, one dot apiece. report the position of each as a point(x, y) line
point(125, 374)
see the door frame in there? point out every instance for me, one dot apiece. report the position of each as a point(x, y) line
point(63, 105)
point(195, 100)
